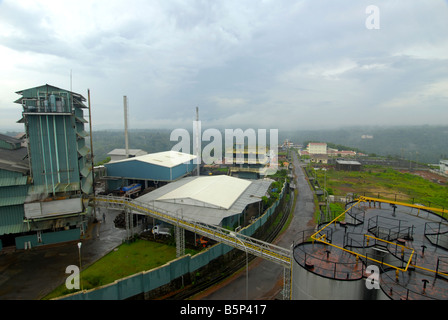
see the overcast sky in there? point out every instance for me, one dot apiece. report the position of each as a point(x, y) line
point(269, 64)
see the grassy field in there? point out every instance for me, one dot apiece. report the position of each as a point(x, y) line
point(385, 183)
point(125, 260)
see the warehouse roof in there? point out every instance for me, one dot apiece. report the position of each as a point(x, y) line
point(122, 152)
point(206, 199)
point(351, 162)
point(165, 159)
point(50, 87)
point(14, 160)
point(214, 191)
point(9, 139)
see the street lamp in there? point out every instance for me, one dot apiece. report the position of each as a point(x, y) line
point(79, 251)
point(247, 264)
point(326, 192)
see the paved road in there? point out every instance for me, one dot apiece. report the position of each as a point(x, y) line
point(265, 277)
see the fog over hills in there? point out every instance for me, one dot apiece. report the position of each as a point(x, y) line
point(419, 143)
point(427, 144)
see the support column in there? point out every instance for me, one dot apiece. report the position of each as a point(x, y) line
point(129, 223)
point(180, 241)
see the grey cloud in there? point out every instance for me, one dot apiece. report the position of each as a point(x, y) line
point(294, 62)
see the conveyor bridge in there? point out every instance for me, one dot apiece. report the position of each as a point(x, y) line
point(237, 240)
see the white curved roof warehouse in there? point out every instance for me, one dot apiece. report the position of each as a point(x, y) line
point(207, 199)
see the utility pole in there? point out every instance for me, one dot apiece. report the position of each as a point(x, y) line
point(197, 142)
point(91, 150)
point(126, 141)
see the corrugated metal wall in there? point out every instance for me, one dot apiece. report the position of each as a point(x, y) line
point(55, 126)
point(13, 192)
point(53, 150)
point(48, 238)
point(11, 219)
point(139, 170)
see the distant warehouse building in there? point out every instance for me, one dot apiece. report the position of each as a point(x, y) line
point(443, 165)
point(154, 169)
point(317, 148)
point(120, 154)
point(214, 200)
point(348, 165)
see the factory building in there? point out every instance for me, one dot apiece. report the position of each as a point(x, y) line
point(214, 200)
point(247, 162)
point(149, 170)
point(47, 182)
point(348, 165)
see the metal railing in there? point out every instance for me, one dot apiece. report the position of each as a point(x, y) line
point(307, 254)
point(437, 233)
point(389, 228)
point(318, 236)
point(440, 210)
point(237, 240)
point(410, 252)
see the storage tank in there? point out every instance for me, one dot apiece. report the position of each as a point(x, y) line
point(386, 251)
point(323, 272)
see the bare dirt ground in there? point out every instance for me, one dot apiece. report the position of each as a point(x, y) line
point(430, 176)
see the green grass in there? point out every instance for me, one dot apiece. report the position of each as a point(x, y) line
point(127, 259)
point(388, 184)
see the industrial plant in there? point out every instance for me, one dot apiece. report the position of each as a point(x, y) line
point(377, 249)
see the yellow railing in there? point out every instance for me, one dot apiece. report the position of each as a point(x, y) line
point(322, 238)
point(417, 206)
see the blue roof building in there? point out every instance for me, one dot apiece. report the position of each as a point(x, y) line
point(158, 167)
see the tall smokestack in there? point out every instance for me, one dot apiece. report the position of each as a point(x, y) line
point(126, 141)
point(197, 141)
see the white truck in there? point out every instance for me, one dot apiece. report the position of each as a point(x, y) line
point(161, 231)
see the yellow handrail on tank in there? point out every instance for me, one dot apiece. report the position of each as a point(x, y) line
point(417, 206)
point(323, 239)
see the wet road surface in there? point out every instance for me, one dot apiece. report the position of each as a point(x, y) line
point(266, 277)
point(32, 274)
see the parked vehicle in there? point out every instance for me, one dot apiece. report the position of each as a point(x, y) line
point(162, 231)
point(132, 189)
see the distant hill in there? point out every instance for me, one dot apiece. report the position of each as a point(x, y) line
point(151, 141)
point(426, 144)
